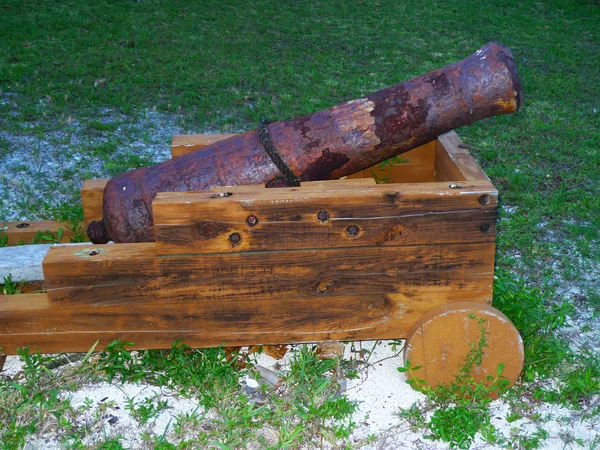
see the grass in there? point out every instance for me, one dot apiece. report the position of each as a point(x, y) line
point(305, 408)
point(95, 89)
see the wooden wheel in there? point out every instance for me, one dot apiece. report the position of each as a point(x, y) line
point(441, 340)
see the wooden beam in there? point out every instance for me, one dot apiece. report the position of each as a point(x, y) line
point(293, 218)
point(454, 162)
point(24, 232)
point(127, 274)
point(92, 193)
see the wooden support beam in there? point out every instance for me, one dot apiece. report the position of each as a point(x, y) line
point(294, 218)
point(92, 193)
point(454, 162)
point(26, 231)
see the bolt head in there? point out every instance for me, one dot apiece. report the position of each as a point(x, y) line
point(484, 200)
point(235, 239)
point(352, 230)
point(323, 216)
point(252, 220)
point(485, 228)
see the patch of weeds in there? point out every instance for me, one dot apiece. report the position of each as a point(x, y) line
point(10, 287)
point(461, 408)
point(312, 394)
point(146, 409)
point(76, 227)
point(3, 240)
point(31, 400)
point(111, 444)
point(207, 373)
point(47, 237)
point(537, 323)
point(528, 441)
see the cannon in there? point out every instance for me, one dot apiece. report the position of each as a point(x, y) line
point(325, 145)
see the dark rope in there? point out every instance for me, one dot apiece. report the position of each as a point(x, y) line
point(265, 139)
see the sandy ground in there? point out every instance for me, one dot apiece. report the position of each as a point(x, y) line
point(381, 391)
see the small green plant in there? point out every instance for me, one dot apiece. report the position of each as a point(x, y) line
point(10, 287)
point(461, 408)
point(47, 237)
point(3, 239)
point(77, 229)
point(386, 167)
point(146, 409)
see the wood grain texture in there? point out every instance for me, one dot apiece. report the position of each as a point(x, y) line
point(454, 162)
point(92, 193)
point(288, 218)
point(440, 341)
point(419, 167)
point(25, 231)
point(242, 299)
point(127, 274)
point(186, 143)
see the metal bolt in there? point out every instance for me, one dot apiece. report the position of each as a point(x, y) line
point(484, 200)
point(485, 228)
point(235, 239)
point(323, 216)
point(252, 220)
point(23, 225)
point(463, 146)
point(352, 230)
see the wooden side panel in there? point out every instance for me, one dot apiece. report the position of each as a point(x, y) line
point(420, 167)
point(454, 162)
point(25, 232)
point(185, 143)
point(124, 291)
point(91, 199)
point(208, 323)
point(288, 218)
point(132, 273)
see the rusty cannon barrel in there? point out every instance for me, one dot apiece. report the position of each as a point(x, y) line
point(328, 144)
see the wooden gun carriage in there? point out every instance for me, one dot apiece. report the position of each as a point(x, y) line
point(334, 260)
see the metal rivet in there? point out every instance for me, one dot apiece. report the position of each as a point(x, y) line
point(252, 220)
point(485, 228)
point(352, 230)
point(22, 225)
point(323, 216)
point(484, 200)
point(235, 239)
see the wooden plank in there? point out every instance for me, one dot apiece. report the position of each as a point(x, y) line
point(454, 162)
point(130, 273)
point(128, 293)
point(209, 324)
point(26, 231)
point(185, 143)
point(287, 218)
point(92, 193)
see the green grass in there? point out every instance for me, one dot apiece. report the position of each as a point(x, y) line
point(95, 69)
